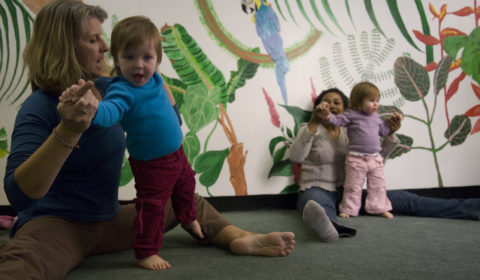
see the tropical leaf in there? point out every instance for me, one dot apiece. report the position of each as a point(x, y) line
point(304, 13)
point(126, 174)
point(274, 142)
point(3, 143)
point(294, 188)
point(405, 146)
point(319, 17)
point(470, 54)
point(449, 32)
point(200, 106)
point(189, 61)
point(372, 16)
point(245, 71)
point(209, 165)
point(280, 10)
point(454, 44)
point(458, 130)
point(191, 146)
point(473, 112)
point(441, 74)
point(411, 79)
point(331, 15)
point(299, 116)
point(281, 168)
point(178, 89)
point(347, 5)
point(289, 9)
point(14, 16)
point(453, 88)
point(393, 7)
point(426, 30)
point(279, 154)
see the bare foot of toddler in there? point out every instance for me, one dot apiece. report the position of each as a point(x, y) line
point(387, 215)
point(344, 215)
point(154, 262)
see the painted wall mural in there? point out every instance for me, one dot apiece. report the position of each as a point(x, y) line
point(244, 74)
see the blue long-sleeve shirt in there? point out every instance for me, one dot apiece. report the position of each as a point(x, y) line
point(145, 113)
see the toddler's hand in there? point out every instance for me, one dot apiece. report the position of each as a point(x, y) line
point(323, 110)
point(72, 94)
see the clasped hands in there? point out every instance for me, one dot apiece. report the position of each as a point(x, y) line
point(78, 106)
point(322, 112)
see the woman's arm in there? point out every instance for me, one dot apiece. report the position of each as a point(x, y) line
point(302, 144)
point(36, 174)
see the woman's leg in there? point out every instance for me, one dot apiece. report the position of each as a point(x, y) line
point(47, 248)
point(329, 202)
point(327, 199)
point(220, 232)
point(407, 203)
point(117, 235)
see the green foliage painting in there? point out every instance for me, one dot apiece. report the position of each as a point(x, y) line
point(435, 60)
point(412, 79)
point(16, 26)
point(202, 95)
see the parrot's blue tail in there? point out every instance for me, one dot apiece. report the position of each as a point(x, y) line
point(281, 82)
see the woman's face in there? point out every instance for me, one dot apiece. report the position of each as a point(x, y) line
point(90, 48)
point(335, 102)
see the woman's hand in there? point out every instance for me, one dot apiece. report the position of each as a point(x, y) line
point(77, 107)
point(320, 113)
point(394, 122)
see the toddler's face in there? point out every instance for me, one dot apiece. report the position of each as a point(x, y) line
point(370, 104)
point(138, 64)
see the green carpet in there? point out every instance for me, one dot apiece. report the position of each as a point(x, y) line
point(402, 248)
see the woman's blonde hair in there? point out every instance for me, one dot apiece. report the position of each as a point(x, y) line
point(50, 53)
point(132, 32)
point(361, 91)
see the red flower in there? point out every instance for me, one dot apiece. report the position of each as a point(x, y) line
point(274, 117)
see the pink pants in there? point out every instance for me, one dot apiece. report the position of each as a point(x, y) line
point(359, 168)
point(156, 181)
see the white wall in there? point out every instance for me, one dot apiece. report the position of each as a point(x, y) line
point(249, 113)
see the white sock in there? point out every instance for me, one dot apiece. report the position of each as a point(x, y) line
point(315, 217)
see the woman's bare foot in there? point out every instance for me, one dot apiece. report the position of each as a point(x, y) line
point(387, 215)
point(344, 215)
point(195, 229)
point(274, 244)
point(154, 262)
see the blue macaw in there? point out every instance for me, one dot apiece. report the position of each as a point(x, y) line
point(268, 29)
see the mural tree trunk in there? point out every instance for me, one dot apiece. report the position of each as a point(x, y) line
point(236, 158)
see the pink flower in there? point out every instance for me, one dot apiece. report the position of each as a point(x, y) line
point(274, 117)
point(313, 94)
